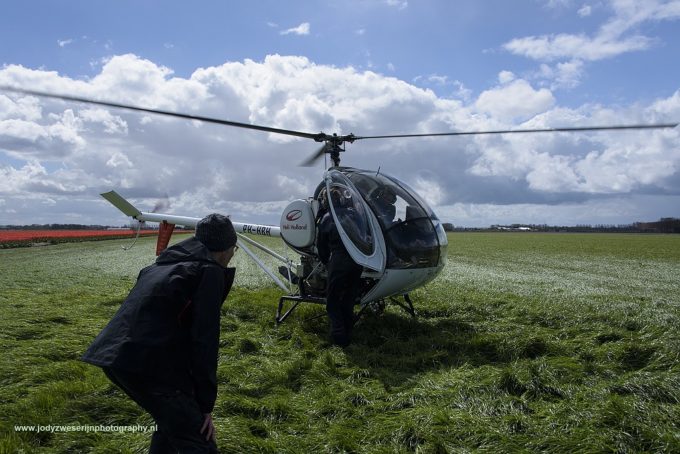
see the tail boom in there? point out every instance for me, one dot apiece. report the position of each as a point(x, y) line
point(190, 222)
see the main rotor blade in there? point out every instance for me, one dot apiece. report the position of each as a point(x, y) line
point(524, 131)
point(319, 137)
point(42, 94)
point(311, 159)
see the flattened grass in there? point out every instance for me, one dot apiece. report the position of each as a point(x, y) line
point(526, 342)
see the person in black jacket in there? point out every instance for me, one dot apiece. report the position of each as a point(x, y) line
point(161, 347)
point(344, 276)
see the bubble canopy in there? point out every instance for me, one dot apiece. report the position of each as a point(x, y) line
point(410, 232)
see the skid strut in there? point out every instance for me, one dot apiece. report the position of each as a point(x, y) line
point(379, 306)
point(407, 305)
point(296, 301)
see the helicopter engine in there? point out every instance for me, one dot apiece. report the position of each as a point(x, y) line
point(298, 226)
point(298, 231)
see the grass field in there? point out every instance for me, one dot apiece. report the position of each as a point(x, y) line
point(525, 342)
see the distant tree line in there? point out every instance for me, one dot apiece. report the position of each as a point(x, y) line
point(663, 225)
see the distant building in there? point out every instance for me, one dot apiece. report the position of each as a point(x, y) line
point(512, 228)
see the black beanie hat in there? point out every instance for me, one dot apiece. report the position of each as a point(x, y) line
point(216, 232)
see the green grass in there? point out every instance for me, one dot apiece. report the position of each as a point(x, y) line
point(525, 342)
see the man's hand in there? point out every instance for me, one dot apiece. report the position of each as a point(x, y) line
point(208, 427)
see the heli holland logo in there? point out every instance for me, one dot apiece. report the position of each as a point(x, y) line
point(293, 215)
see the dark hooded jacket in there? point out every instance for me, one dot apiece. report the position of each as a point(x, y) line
point(328, 239)
point(167, 330)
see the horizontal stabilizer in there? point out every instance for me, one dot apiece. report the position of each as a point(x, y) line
point(123, 205)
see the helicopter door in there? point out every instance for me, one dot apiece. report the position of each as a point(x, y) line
point(358, 228)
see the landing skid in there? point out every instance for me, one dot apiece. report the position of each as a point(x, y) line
point(376, 307)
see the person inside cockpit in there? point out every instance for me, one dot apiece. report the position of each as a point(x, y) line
point(382, 200)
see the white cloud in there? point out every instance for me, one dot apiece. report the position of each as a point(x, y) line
point(64, 42)
point(400, 4)
point(626, 166)
point(360, 31)
point(113, 124)
point(292, 186)
point(514, 100)
point(668, 108)
point(52, 139)
point(563, 75)
point(22, 130)
point(505, 77)
point(569, 73)
point(302, 29)
point(27, 108)
point(66, 128)
point(585, 11)
point(461, 91)
point(615, 37)
point(134, 79)
point(557, 4)
point(549, 48)
point(588, 164)
point(429, 190)
point(12, 181)
point(118, 159)
point(437, 79)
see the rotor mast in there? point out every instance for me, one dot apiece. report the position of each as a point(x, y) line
point(334, 144)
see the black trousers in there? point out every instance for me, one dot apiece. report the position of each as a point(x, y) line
point(344, 278)
point(177, 415)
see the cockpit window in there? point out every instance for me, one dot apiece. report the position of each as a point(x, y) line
point(390, 202)
point(417, 198)
point(407, 222)
point(350, 212)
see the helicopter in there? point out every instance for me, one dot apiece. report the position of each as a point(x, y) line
point(386, 226)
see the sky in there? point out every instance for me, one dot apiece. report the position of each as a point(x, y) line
point(368, 67)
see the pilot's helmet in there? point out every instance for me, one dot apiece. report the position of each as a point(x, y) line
point(389, 196)
point(337, 197)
